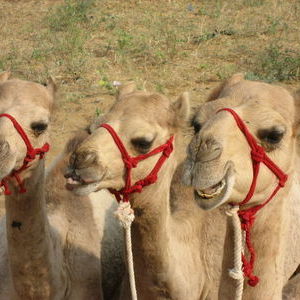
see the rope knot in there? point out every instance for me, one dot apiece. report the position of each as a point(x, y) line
point(137, 188)
point(124, 214)
point(258, 154)
point(30, 156)
point(236, 274)
point(150, 179)
point(130, 162)
point(282, 180)
point(232, 210)
point(247, 219)
point(168, 150)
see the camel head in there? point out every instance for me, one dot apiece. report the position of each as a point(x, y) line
point(30, 104)
point(219, 164)
point(143, 121)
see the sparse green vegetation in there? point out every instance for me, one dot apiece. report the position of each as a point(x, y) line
point(277, 63)
point(69, 14)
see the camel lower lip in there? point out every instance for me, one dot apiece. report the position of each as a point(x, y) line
point(213, 191)
point(217, 194)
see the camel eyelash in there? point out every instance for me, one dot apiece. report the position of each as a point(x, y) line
point(272, 136)
point(38, 127)
point(141, 143)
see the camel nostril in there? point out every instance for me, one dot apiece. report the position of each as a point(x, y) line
point(83, 159)
point(209, 149)
point(71, 174)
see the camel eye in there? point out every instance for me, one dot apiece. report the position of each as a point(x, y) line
point(141, 144)
point(197, 126)
point(272, 135)
point(38, 127)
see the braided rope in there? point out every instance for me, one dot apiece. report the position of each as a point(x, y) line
point(125, 215)
point(237, 271)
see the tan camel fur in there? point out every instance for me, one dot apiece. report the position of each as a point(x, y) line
point(50, 240)
point(166, 235)
point(219, 168)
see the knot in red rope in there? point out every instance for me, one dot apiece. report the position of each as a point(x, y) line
point(282, 180)
point(137, 188)
point(258, 154)
point(168, 150)
point(130, 162)
point(247, 218)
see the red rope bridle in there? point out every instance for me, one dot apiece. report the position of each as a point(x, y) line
point(132, 162)
point(30, 156)
point(247, 216)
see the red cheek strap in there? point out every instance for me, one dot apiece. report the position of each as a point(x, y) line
point(30, 156)
point(132, 162)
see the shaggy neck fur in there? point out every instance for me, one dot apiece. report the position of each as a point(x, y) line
point(165, 237)
point(30, 247)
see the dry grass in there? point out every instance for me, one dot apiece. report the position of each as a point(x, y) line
point(166, 46)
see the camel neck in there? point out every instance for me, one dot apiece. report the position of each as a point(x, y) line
point(28, 237)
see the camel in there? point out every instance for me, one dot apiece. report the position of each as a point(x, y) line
point(51, 241)
point(166, 231)
point(219, 168)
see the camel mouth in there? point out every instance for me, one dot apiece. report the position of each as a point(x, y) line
point(217, 194)
point(81, 186)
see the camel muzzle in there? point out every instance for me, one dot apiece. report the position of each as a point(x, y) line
point(209, 149)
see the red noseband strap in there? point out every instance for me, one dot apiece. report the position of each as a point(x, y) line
point(30, 156)
point(132, 162)
point(247, 216)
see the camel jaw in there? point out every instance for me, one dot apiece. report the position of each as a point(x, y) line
point(217, 194)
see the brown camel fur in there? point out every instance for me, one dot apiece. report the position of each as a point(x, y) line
point(219, 153)
point(50, 240)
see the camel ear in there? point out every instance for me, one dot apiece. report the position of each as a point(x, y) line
point(4, 76)
point(216, 93)
point(51, 86)
point(182, 107)
point(235, 78)
point(95, 124)
point(125, 89)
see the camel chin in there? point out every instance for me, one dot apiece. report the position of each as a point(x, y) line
point(217, 194)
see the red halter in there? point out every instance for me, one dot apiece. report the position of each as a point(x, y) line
point(247, 216)
point(30, 156)
point(131, 162)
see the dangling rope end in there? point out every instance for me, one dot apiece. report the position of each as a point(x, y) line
point(125, 215)
point(253, 281)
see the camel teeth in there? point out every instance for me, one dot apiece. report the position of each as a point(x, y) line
point(72, 181)
point(212, 195)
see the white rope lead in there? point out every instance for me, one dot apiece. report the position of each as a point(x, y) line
point(237, 271)
point(125, 215)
